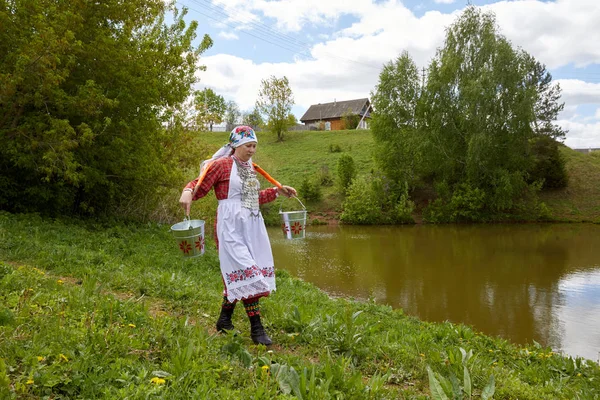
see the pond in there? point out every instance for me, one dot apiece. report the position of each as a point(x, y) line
point(521, 282)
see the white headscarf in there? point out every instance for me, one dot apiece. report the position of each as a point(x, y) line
point(239, 135)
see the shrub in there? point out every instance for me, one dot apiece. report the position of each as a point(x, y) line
point(324, 176)
point(549, 165)
point(465, 204)
point(362, 205)
point(373, 200)
point(310, 190)
point(402, 211)
point(350, 120)
point(334, 148)
point(346, 171)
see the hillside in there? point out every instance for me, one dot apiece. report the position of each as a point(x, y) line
point(580, 200)
point(314, 154)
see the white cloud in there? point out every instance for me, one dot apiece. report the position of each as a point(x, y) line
point(575, 91)
point(557, 33)
point(581, 135)
point(228, 35)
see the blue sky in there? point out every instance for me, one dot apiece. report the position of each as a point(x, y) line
point(334, 49)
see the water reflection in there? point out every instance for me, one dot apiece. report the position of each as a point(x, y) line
point(521, 282)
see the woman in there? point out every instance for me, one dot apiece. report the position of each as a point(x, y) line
point(245, 255)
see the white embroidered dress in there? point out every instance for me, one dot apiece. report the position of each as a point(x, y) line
point(244, 248)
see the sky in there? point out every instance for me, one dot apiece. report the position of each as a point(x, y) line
point(334, 50)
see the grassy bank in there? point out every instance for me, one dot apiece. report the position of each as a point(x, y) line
point(314, 154)
point(580, 200)
point(111, 311)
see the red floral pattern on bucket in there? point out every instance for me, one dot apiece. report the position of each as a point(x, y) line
point(185, 247)
point(285, 229)
point(200, 244)
point(297, 228)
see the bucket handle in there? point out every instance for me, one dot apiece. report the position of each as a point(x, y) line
point(189, 221)
point(295, 197)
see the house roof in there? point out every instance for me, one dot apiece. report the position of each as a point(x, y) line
point(336, 109)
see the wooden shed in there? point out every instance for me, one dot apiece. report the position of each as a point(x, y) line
point(329, 116)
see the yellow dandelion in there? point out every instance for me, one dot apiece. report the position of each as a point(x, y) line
point(579, 374)
point(422, 355)
point(131, 325)
point(63, 357)
point(158, 381)
point(29, 381)
point(40, 358)
point(60, 281)
point(491, 351)
point(494, 363)
point(265, 368)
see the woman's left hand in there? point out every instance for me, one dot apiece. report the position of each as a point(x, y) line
point(287, 191)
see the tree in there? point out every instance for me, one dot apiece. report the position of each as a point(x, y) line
point(547, 105)
point(350, 119)
point(394, 122)
point(275, 100)
point(253, 119)
point(84, 93)
point(232, 114)
point(210, 108)
point(478, 111)
point(469, 124)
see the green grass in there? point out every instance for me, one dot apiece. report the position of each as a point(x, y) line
point(89, 310)
point(580, 200)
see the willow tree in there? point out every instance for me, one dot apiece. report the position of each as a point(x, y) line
point(85, 91)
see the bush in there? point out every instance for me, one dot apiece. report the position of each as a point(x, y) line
point(362, 205)
point(310, 190)
point(465, 204)
point(371, 200)
point(324, 176)
point(350, 120)
point(335, 148)
point(549, 165)
point(346, 171)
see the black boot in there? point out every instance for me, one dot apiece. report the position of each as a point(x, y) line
point(224, 322)
point(257, 332)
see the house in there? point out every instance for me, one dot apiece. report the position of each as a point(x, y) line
point(586, 151)
point(329, 116)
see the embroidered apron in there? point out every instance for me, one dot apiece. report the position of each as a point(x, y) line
point(244, 248)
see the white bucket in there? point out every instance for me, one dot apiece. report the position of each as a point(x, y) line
point(293, 223)
point(189, 236)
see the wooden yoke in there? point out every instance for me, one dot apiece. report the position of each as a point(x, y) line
point(256, 167)
point(268, 177)
point(201, 178)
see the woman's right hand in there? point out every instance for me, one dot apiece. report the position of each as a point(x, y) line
point(186, 201)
